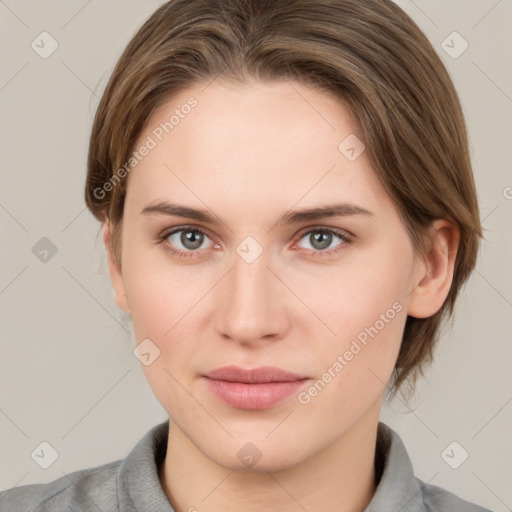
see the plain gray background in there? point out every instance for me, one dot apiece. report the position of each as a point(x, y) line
point(68, 375)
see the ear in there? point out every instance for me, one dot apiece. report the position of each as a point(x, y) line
point(435, 270)
point(116, 275)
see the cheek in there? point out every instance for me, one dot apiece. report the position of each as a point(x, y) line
point(165, 306)
point(162, 301)
point(158, 292)
point(359, 294)
point(364, 306)
point(353, 373)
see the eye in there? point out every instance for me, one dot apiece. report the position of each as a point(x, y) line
point(186, 241)
point(321, 239)
point(191, 239)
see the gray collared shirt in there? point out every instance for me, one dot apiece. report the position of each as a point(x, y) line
point(132, 484)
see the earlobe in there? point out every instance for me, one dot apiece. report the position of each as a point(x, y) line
point(437, 268)
point(116, 275)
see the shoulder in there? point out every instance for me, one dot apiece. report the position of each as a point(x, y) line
point(437, 499)
point(87, 489)
point(400, 489)
point(128, 484)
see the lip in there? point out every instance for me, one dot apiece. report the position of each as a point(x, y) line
point(253, 389)
point(260, 375)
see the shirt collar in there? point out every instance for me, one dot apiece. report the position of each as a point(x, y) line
point(398, 488)
point(139, 486)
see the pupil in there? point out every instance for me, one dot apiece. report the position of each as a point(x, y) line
point(322, 235)
point(187, 238)
point(195, 239)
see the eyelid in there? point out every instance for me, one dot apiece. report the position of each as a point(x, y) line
point(338, 231)
point(176, 229)
point(169, 231)
point(341, 232)
point(345, 236)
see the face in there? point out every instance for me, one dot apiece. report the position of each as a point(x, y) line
point(321, 297)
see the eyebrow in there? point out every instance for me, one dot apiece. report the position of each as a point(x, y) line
point(290, 217)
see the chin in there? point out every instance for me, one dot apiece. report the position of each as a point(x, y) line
point(267, 463)
point(257, 456)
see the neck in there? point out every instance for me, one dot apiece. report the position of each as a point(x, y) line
point(341, 477)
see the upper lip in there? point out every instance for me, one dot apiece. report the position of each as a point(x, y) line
point(253, 376)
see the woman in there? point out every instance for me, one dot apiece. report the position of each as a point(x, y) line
point(289, 211)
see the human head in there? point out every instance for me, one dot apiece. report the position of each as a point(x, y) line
point(368, 54)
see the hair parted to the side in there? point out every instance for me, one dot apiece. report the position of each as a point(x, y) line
point(371, 55)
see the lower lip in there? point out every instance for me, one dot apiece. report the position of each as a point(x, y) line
point(254, 396)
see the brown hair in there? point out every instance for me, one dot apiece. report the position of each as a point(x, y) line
point(369, 54)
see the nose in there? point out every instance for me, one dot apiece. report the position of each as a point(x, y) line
point(251, 303)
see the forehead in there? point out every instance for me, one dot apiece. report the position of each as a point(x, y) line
point(262, 142)
point(258, 111)
point(255, 120)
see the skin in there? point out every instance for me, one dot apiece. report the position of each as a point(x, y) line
point(249, 154)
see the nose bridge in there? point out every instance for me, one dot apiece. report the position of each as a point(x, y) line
point(250, 309)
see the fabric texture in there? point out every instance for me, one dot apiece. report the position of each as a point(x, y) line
point(132, 484)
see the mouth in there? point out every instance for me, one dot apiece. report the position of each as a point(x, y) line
point(253, 389)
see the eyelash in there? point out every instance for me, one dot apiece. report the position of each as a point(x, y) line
point(345, 238)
